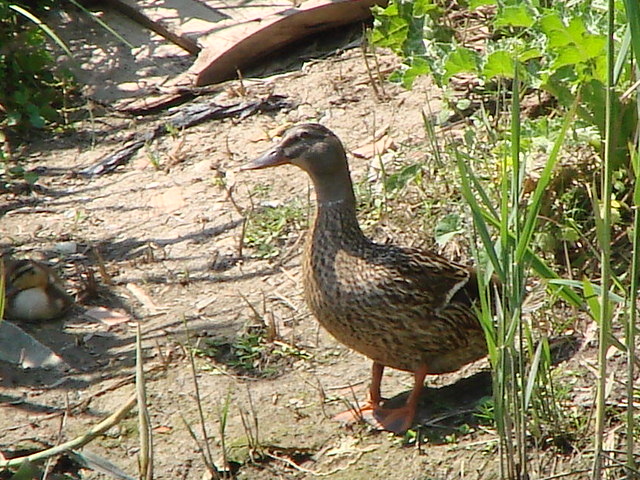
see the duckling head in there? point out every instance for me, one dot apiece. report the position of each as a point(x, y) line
point(25, 274)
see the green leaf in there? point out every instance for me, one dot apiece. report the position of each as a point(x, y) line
point(592, 298)
point(461, 60)
point(499, 64)
point(529, 54)
point(635, 161)
point(21, 97)
point(419, 66)
point(545, 178)
point(479, 215)
point(593, 46)
point(576, 29)
point(42, 26)
point(447, 228)
point(35, 118)
point(402, 178)
point(423, 7)
point(392, 34)
point(473, 4)
point(13, 119)
point(555, 30)
point(31, 177)
point(569, 55)
point(27, 471)
point(533, 373)
point(515, 16)
point(390, 11)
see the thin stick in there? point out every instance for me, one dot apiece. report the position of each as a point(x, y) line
point(145, 459)
point(205, 437)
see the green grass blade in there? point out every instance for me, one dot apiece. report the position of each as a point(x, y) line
point(592, 289)
point(533, 373)
point(633, 18)
point(478, 188)
point(1, 289)
point(592, 299)
point(478, 217)
point(630, 330)
point(543, 183)
point(621, 61)
point(545, 272)
point(42, 26)
point(604, 236)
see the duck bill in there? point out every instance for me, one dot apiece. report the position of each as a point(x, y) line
point(270, 158)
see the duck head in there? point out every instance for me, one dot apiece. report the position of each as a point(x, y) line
point(318, 151)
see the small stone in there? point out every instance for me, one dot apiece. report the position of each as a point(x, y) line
point(66, 248)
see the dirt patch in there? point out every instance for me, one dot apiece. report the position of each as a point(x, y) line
point(166, 225)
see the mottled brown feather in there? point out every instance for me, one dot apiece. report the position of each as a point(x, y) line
point(402, 307)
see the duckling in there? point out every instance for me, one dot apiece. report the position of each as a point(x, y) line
point(33, 292)
point(404, 308)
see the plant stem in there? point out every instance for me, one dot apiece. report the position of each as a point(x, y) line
point(630, 333)
point(605, 256)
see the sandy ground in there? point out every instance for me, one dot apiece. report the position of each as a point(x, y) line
point(170, 240)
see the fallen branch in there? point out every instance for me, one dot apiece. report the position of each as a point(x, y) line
point(188, 116)
point(77, 442)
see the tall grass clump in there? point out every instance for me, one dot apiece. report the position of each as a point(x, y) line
point(520, 360)
point(564, 54)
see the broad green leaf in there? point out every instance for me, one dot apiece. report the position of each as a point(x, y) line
point(461, 60)
point(27, 471)
point(515, 16)
point(569, 55)
point(419, 66)
point(555, 30)
point(392, 34)
point(593, 46)
point(576, 29)
point(499, 64)
point(529, 54)
point(402, 178)
point(390, 11)
point(34, 116)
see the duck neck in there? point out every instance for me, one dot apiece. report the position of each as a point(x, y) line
point(330, 193)
point(336, 222)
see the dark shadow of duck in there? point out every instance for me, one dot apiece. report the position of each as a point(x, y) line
point(459, 407)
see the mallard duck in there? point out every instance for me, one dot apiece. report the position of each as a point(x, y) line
point(33, 292)
point(402, 307)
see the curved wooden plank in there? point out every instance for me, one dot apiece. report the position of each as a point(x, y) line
point(236, 47)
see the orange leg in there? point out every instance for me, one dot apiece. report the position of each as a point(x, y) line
point(399, 420)
point(374, 398)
